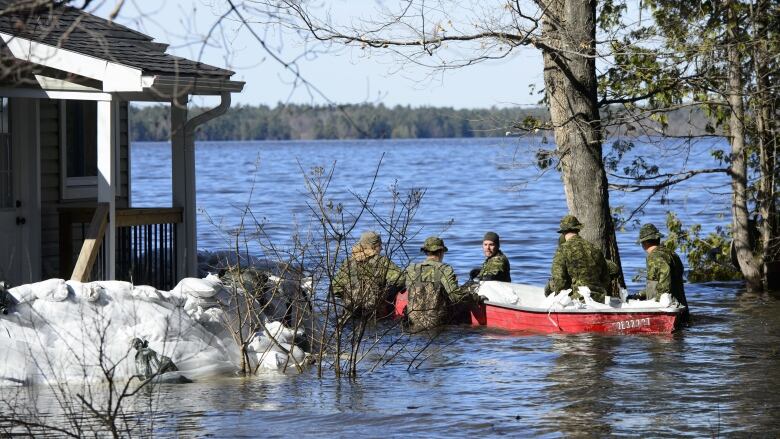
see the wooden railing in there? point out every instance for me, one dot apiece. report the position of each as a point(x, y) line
point(145, 245)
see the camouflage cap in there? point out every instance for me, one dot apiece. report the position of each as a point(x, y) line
point(649, 231)
point(370, 239)
point(493, 237)
point(569, 223)
point(433, 244)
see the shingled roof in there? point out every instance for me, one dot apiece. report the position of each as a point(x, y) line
point(76, 30)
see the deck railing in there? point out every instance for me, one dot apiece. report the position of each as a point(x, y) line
point(145, 244)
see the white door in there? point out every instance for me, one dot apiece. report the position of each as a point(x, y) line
point(18, 256)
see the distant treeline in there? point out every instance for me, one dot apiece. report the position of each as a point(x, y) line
point(365, 121)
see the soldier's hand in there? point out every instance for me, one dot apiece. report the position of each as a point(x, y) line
point(474, 273)
point(483, 299)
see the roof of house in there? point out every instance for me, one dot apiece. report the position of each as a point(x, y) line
point(76, 30)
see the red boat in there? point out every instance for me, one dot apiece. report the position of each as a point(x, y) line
point(523, 318)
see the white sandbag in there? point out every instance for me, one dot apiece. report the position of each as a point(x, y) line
point(513, 294)
point(198, 287)
point(51, 290)
point(281, 333)
point(498, 292)
point(259, 343)
point(174, 297)
point(561, 300)
point(146, 292)
point(275, 358)
point(89, 292)
point(666, 301)
point(589, 302)
point(116, 288)
point(212, 315)
point(272, 360)
point(193, 302)
point(23, 293)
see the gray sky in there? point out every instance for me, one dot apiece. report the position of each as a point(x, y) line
point(344, 75)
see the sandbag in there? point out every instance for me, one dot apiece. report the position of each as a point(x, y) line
point(116, 288)
point(89, 292)
point(51, 290)
point(196, 287)
point(23, 293)
point(282, 333)
point(146, 292)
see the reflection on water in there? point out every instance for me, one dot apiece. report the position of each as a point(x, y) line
point(721, 376)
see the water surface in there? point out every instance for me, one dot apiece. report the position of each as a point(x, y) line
point(718, 377)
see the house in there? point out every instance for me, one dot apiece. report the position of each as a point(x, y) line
point(66, 80)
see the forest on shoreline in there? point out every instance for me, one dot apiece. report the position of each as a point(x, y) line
point(363, 121)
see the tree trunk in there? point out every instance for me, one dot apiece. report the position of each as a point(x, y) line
point(748, 264)
point(766, 145)
point(569, 31)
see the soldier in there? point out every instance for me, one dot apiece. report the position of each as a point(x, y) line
point(367, 281)
point(578, 263)
point(432, 287)
point(664, 267)
point(496, 265)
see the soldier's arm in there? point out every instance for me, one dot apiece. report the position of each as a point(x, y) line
point(493, 267)
point(662, 273)
point(450, 282)
point(606, 278)
point(394, 278)
point(341, 281)
point(558, 272)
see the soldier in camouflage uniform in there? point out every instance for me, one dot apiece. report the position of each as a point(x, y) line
point(664, 267)
point(578, 263)
point(368, 281)
point(433, 288)
point(496, 265)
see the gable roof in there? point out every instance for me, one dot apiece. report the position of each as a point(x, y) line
point(78, 31)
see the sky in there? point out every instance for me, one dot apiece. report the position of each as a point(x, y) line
point(341, 75)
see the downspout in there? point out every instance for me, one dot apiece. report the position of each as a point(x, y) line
point(219, 110)
point(191, 254)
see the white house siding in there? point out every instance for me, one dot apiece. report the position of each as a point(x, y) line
point(50, 185)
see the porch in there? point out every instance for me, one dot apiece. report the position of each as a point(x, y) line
point(146, 245)
point(66, 208)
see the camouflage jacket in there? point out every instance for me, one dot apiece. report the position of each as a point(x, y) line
point(496, 267)
point(664, 275)
point(363, 283)
point(428, 270)
point(578, 263)
point(433, 289)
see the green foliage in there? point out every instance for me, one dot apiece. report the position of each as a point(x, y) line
point(708, 258)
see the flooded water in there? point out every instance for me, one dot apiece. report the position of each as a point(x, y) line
point(719, 377)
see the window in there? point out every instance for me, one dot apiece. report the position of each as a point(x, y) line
point(79, 149)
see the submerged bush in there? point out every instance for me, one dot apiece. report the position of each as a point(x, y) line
point(708, 258)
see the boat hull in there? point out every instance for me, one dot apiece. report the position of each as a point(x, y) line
point(513, 318)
